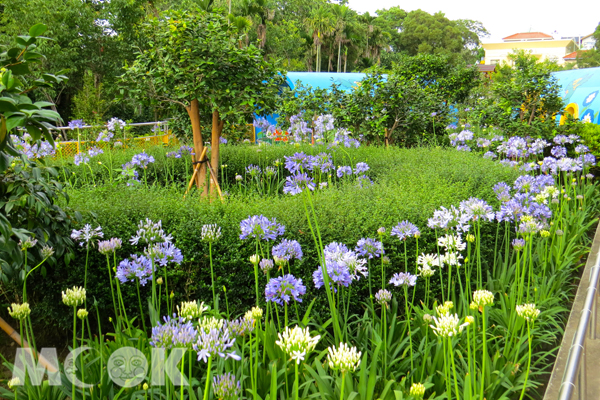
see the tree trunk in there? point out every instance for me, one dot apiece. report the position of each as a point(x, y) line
point(194, 113)
point(339, 64)
point(217, 127)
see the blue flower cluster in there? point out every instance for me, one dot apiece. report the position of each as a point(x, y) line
point(284, 288)
point(369, 248)
point(287, 249)
point(405, 229)
point(342, 265)
point(139, 267)
point(260, 227)
point(174, 332)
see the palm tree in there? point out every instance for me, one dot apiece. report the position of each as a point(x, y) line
point(241, 24)
point(320, 23)
point(342, 15)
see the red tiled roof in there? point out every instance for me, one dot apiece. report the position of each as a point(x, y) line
point(573, 55)
point(528, 35)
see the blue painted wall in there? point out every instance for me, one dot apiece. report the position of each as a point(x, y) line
point(580, 89)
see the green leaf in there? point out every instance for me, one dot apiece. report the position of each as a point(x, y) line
point(7, 104)
point(35, 133)
point(20, 68)
point(37, 30)
point(41, 104)
point(13, 122)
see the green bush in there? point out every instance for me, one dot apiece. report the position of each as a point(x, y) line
point(409, 184)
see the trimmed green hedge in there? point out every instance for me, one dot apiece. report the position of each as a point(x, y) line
point(409, 184)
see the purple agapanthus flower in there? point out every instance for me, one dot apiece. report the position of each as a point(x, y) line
point(173, 154)
point(186, 150)
point(142, 159)
point(502, 191)
point(139, 267)
point(490, 155)
point(299, 162)
point(344, 170)
point(253, 170)
point(76, 124)
point(81, 158)
point(477, 209)
point(215, 342)
point(405, 229)
point(360, 168)
point(114, 122)
point(518, 244)
point(287, 250)
point(94, 151)
point(296, 183)
point(403, 279)
point(369, 248)
point(226, 386)
point(105, 136)
point(174, 332)
point(164, 253)
point(285, 288)
point(581, 149)
point(86, 234)
point(463, 147)
point(549, 165)
point(559, 151)
point(260, 227)
point(322, 162)
point(337, 272)
point(561, 139)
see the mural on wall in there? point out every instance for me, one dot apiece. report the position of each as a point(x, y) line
point(580, 91)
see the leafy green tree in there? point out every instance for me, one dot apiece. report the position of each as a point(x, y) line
point(320, 23)
point(194, 61)
point(286, 43)
point(28, 190)
point(524, 97)
point(588, 58)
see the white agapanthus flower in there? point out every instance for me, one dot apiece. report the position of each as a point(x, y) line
point(483, 298)
point(417, 390)
point(343, 358)
point(74, 297)
point(452, 258)
point(429, 260)
point(452, 242)
point(208, 323)
point(528, 311)
point(297, 342)
point(255, 314)
point(191, 309)
point(426, 271)
point(447, 325)
point(210, 233)
point(19, 311)
point(445, 308)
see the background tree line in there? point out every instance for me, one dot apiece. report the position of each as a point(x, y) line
point(94, 41)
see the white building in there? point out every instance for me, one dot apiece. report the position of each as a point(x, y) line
point(588, 42)
point(541, 45)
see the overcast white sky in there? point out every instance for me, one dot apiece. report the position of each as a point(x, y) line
point(503, 18)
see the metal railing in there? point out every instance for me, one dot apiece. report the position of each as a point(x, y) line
point(575, 370)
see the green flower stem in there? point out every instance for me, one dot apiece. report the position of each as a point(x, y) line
point(528, 361)
point(484, 357)
point(296, 389)
point(439, 258)
point(212, 274)
point(447, 370)
point(81, 360)
point(181, 370)
point(251, 364)
point(74, 346)
point(167, 297)
point(342, 386)
point(256, 275)
point(137, 286)
point(451, 350)
point(412, 366)
point(110, 279)
point(469, 361)
point(206, 386)
point(286, 314)
point(384, 331)
point(416, 268)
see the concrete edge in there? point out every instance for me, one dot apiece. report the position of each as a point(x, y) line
point(555, 382)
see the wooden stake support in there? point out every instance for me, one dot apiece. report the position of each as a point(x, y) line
point(14, 335)
point(212, 174)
